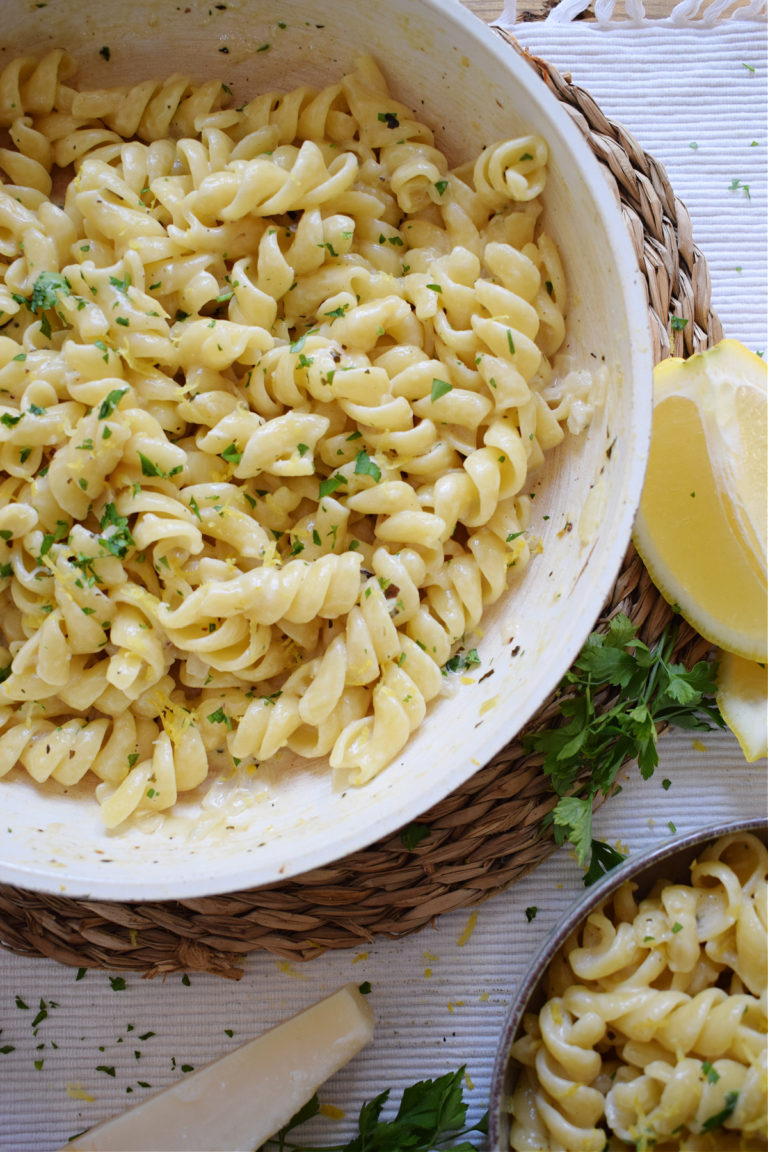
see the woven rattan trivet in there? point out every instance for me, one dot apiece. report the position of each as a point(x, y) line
point(487, 833)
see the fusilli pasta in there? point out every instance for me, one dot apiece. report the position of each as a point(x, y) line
point(654, 1031)
point(272, 381)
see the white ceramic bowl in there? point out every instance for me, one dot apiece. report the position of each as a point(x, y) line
point(472, 89)
point(671, 860)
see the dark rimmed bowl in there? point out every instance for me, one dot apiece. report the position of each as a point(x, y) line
point(671, 860)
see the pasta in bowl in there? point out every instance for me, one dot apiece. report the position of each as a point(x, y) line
point(643, 1019)
point(281, 380)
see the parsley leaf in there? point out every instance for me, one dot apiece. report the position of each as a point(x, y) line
point(461, 662)
point(604, 857)
point(439, 388)
point(413, 834)
point(220, 717)
point(364, 466)
point(330, 484)
point(51, 538)
point(121, 285)
point(720, 1118)
point(110, 402)
point(231, 454)
point(431, 1115)
point(47, 289)
point(148, 467)
point(120, 540)
point(582, 756)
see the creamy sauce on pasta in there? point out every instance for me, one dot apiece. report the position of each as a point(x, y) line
point(273, 379)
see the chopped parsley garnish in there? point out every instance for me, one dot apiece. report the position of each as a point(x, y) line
point(462, 661)
point(110, 402)
point(337, 313)
point(220, 717)
point(149, 468)
point(736, 185)
point(439, 388)
point(119, 541)
point(231, 454)
point(330, 484)
point(51, 538)
point(47, 289)
point(364, 466)
point(720, 1118)
point(121, 285)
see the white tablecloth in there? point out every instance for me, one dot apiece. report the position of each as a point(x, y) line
point(696, 100)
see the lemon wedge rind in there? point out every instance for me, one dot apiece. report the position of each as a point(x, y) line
point(742, 697)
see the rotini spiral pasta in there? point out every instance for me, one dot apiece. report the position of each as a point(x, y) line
point(654, 1032)
point(273, 379)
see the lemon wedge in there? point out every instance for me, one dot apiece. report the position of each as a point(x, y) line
point(703, 518)
point(742, 697)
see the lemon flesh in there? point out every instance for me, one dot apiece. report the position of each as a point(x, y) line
point(703, 518)
point(742, 697)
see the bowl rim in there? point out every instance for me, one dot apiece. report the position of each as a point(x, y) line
point(687, 844)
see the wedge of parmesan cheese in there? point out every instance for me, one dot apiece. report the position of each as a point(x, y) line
point(241, 1100)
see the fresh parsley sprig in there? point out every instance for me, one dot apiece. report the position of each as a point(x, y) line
point(583, 756)
point(432, 1115)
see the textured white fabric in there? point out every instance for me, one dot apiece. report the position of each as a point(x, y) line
point(686, 14)
point(441, 995)
point(697, 101)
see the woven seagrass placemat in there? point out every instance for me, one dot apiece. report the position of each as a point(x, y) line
point(486, 834)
